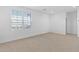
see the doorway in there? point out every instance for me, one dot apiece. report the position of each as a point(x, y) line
point(71, 23)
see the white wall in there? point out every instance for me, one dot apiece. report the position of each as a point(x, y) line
point(58, 23)
point(72, 22)
point(40, 24)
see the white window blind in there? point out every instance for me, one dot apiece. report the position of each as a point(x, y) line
point(20, 19)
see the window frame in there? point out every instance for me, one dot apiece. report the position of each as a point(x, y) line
point(23, 24)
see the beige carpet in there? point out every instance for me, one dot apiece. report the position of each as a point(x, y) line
point(49, 42)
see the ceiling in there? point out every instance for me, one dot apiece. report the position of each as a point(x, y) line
point(52, 9)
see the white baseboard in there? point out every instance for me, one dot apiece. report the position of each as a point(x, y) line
point(30, 35)
point(59, 33)
point(22, 37)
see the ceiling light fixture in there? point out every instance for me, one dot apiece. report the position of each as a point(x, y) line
point(44, 9)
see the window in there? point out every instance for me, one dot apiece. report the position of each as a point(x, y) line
point(20, 19)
